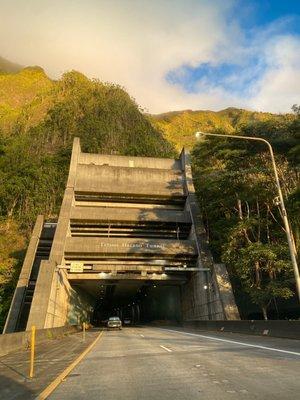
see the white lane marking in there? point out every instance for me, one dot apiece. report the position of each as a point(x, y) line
point(165, 348)
point(257, 346)
point(142, 335)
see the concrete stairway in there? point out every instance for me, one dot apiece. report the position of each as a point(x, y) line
point(42, 253)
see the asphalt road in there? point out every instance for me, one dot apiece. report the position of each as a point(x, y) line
point(152, 363)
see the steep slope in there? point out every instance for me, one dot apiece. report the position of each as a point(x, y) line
point(24, 98)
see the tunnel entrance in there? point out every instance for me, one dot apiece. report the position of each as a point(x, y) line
point(129, 241)
point(135, 302)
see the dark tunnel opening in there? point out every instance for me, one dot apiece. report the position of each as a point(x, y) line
point(135, 302)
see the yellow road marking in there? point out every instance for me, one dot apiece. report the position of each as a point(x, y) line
point(53, 385)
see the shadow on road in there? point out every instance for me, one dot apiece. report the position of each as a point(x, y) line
point(12, 389)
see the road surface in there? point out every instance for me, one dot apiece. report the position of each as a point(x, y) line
point(153, 363)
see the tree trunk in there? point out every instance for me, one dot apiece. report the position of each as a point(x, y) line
point(239, 205)
point(264, 311)
point(257, 274)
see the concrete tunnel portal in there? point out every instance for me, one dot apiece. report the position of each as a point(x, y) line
point(132, 225)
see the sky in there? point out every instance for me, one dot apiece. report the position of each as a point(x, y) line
point(168, 54)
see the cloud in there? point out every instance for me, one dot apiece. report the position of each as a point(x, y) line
point(279, 87)
point(139, 43)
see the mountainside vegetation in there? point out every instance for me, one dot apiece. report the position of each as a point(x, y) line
point(179, 127)
point(239, 201)
point(38, 121)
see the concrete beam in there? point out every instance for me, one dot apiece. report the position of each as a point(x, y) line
point(110, 246)
point(137, 182)
point(129, 161)
point(107, 215)
point(136, 277)
point(116, 268)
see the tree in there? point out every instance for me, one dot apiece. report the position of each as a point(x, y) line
point(235, 185)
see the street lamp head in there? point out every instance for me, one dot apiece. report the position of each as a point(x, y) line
point(198, 134)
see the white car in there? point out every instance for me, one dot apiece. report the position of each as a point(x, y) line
point(114, 323)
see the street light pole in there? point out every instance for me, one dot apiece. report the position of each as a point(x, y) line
point(292, 247)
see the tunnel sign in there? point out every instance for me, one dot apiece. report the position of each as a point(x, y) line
point(76, 267)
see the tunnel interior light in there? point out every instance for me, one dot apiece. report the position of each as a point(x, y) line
point(205, 287)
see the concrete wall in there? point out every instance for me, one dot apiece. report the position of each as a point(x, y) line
point(162, 303)
point(200, 303)
point(125, 161)
point(11, 342)
point(81, 246)
point(283, 329)
point(17, 301)
point(137, 182)
point(217, 300)
point(80, 306)
point(120, 215)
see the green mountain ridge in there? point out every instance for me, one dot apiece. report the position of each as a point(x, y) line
point(179, 127)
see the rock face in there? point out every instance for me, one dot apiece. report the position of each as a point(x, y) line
point(128, 232)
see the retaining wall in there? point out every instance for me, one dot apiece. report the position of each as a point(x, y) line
point(10, 342)
point(276, 328)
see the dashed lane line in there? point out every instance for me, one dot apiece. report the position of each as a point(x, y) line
point(166, 348)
